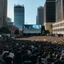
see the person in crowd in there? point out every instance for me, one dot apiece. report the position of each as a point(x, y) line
point(7, 58)
point(31, 52)
point(2, 61)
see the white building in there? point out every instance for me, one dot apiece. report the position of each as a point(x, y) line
point(58, 27)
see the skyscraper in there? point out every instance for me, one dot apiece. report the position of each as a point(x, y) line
point(3, 13)
point(58, 27)
point(49, 14)
point(59, 10)
point(50, 11)
point(40, 16)
point(19, 16)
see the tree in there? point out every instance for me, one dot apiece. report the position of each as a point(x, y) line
point(47, 32)
point(4, 30)
point(16, 32)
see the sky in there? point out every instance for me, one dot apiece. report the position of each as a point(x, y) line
point(30, 9)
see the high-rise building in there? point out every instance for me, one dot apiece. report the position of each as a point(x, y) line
point(58, 27)
point(3, 13)
point(19, 16)
point(50, 11)
point(40, 16)
point(49, 14)
point(59, 10)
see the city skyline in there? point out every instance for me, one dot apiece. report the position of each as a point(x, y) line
point(30, 9)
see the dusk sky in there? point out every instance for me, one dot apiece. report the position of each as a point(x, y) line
point(30, 9)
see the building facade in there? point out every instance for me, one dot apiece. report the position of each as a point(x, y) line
point(40, 16)
point(59, 10)
point(49, 14)
point(58, 27)
point(19, 16)
point(3, 13)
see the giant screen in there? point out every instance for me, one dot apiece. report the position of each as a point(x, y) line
point(32, 29)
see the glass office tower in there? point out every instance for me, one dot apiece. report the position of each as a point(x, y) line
point(19, 16)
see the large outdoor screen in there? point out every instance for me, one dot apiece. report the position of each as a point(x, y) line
point(32, 29)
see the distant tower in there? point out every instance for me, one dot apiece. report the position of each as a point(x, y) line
point(40, 16)
point(3, 13)
point(19, 16)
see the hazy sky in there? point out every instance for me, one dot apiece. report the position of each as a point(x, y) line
point(30, 9)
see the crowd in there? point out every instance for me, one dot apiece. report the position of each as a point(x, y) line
point(30, 52)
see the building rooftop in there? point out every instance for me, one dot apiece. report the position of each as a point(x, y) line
point(50, 0)
point(18, 6)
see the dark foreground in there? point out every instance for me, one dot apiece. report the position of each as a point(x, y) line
point(30, 52)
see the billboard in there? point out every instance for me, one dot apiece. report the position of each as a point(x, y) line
point(32, 29)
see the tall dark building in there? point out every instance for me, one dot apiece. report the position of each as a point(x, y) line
point(40, 16)
point(19, 16)
point(3, 13)
point(49, 14)
point(50, 10)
